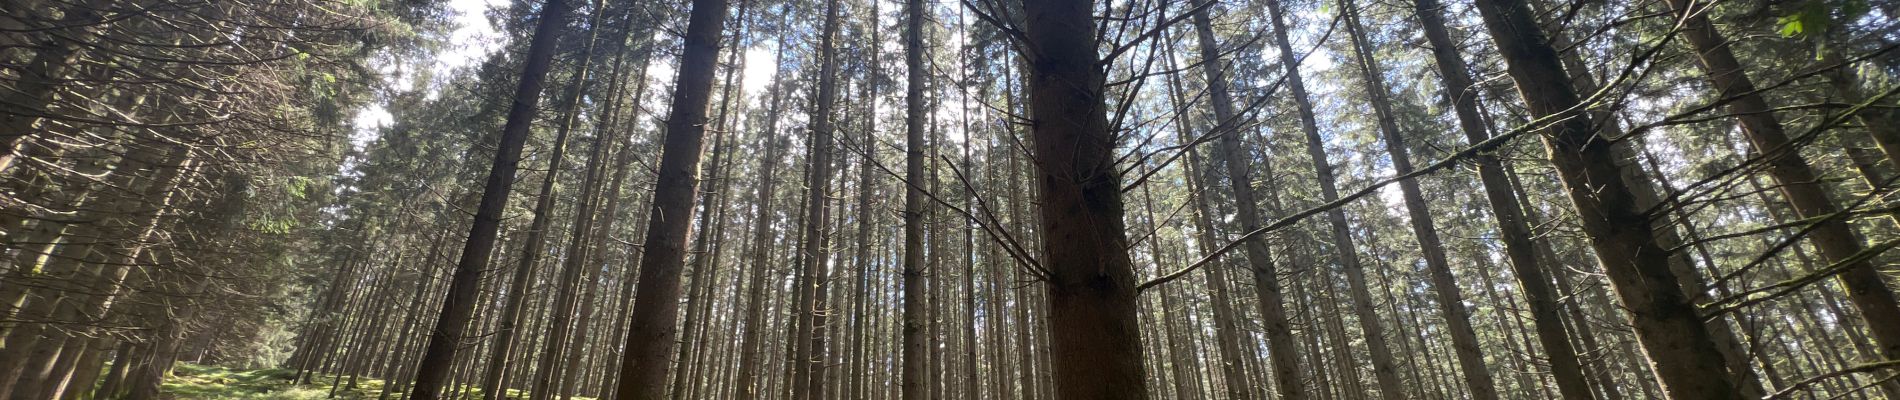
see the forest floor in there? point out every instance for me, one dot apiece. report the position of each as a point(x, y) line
point(193, 382)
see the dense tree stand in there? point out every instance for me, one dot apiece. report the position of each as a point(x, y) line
point(1044, 200)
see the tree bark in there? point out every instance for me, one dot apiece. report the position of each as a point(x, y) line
point(911, 379)
point(808, 377)
point(1677, 342)
point(531, 250)
point(1233, 155)
point(762, 233)
point(1797, 181)
point(447, 337)
point(652, 330)
point(1383, 369)
point(1090, 277)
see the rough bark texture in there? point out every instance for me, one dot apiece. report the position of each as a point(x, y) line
point(1096, 348)
point(651, 332)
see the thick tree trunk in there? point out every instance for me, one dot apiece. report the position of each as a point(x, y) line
point(1685, 357)
point(651, 334)
point(1091, 283)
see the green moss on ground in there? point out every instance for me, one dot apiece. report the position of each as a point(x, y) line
point(191, 381)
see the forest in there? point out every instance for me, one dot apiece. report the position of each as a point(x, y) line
point(949, 199)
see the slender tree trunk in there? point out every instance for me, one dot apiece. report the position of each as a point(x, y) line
point(808, 377)
point(1457, 81)
point(860, 358)
point(447, 336)
point(762, 243)
point(1231, 154)
point(1383, 368)
point(26, 103)
point(1797, 181)
point(1677, 342)
point(518, 286)
point(35, 365)
point(910, 377)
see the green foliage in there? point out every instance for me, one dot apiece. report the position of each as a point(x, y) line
point(1813, 17)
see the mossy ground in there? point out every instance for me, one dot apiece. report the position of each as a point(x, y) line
point(191, 381)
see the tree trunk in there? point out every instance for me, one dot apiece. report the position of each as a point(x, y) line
point(1677, 342)
point(518, 283)
point(34, 356)
point(911, 379)
point(1090, 277)
point(762, 243)
point(1234, 156)
point(651, 332)
point(1457, 82)
point(1383, 369)
point(447, 336)
point(1836, 239)
point(808, 377)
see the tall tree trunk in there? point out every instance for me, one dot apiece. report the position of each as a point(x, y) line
point(518, 286)
point(762, 234)
point(910, 377)
point(651, 334)
point(36, 86)
point(1231, 154)
point(808, 377)
point(860, 314)
point(1090, 277)
point(33, 361)
point(1679, 345)
point(1797, 181)
point(447, 336)
point(1451, 301)
point(1383, 369)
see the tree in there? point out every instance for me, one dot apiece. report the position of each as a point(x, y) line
point(447, 335)
point(651, 330)
point(1090, 282)
point(1669, 327)
point(911, 333)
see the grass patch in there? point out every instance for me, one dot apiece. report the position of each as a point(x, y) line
point(190, 381)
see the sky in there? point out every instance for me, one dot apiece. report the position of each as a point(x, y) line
point(474, 38)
